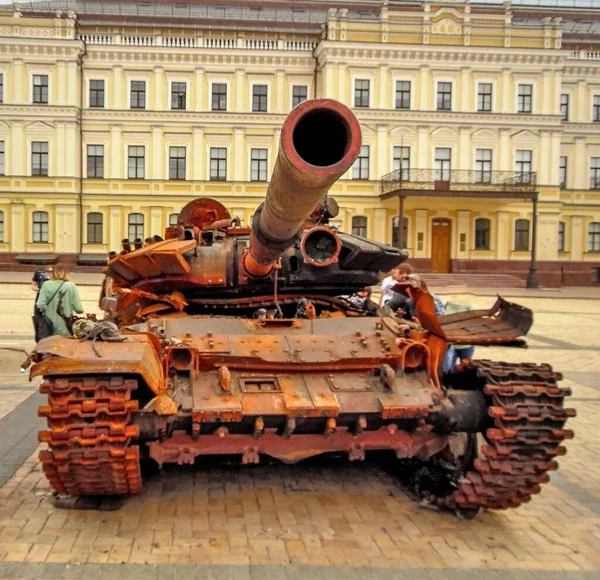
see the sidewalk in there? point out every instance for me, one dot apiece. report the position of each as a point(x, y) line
point(80, 278)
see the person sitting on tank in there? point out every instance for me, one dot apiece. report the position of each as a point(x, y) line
point(462, 352)
point(362, 300)
point(59, 300)
point(392, 300)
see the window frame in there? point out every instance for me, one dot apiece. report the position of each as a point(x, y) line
point(178, 169)
point(2, 227)
point(443, 94)
point(593, 237)
point(522, 163)
point(482, 239)
point(135, 225)
point(37, 91)
point(595, 108)
point(96, 163)
point(363, 226)
point(221, 164)
point(562, 236)
point(2, 158)
point(2, 87)
point(594, 173)
point(137, 158)
point(38, 232)
point(565, 106)
point(401, 94)
point(520, 233)
point(442, 171)
point(177, 105)
point(214, 84)
point(260, 171)
point(359, 93)
point(295, 101)
point(563, 171)
point(258, 100)
point(394, 226)
point(93, 239)
point(98, 94)
point(483, 175)
point(522, 99)
point(358, 167)
point(139, 95)
point(39, 171)
point(481, 97)
point(403, 167)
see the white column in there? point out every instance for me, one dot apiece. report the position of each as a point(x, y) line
point(503, 235)
point(19, 149)
point(423, 148)
point(465, 152)
point(20, 92)
point(546, 98)
point(382, 153)
point(115, 234)
point(117, 168)
point(578, 238)
point(60, 158)
point(156, 157)
point(465, 90)
point(384, 97)
point(379, 231)
point(198, 154)
point(279, 88)
point(239, 104)
point(424, 100)
point(583, 112)
point(555, 156)
point(73, 92)
point(200, 90)
point(547, 235)
point(505, 157)
point(156, 223)
point(327, 73)
point(159, 88)
point(507, 105)
point(62, 82)
point(545, 161)
point(343, 85)
point(582, 163)
point(18, 227)
point(118, 87)
point(66, 232)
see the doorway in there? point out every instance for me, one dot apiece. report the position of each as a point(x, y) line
point(441, 235)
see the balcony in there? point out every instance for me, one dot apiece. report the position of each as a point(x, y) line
point(459, 183)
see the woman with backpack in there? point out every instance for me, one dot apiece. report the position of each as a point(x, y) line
point(59, 301)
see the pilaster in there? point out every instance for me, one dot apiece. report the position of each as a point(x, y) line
point(463, 233)
point(236, 164)
point(114, 228)
point(156, 223)
point(380, 223)
point(66, 230)
point(578, 238)
point(198, 173)
point(156, 157)
point(18, 227)
point(421, 227)
point(503, 235)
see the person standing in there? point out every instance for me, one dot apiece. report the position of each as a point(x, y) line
point(59, 300)
point(40, 276)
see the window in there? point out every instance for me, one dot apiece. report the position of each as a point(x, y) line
point(444, 96)
point(561, 236)
point(219, 97)
point(40, 89)
point(523, 166)
point(176, 162)
point(39, 158)
point(595, 173)
point(403, 94)
point(259, 98)
point(135, 226)
point(594, 237)
point(178, 95)
point(483, 231)
point(484, 97)
point(218, 164)
point(402, 161)
point(483, 165)
point(522, 236)
point(96, 93)
point(596, 111)
point(1, 88)
point(95, 161)
point(564, 107)
point(361, 92)
point(40, 226)
point(137, 163)
point(1, 226)
point(258, 165)
point(525, 100)
point(562, 172)
point(173, 219)
point(359, 226)
point(299, 94)
point(360, 169)
point(2, 158)
point(94, 228)
point(395, 222)
point(137, 96)
point(443, 163)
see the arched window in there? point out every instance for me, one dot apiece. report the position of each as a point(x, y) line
point(136, 226)
point(173, 219)
point(522, 236)
point(359, 225)
point(395, 232)
point(1, 226)
point(483, 233)
point(594, 237)
point(94, 227)
point(40, 226)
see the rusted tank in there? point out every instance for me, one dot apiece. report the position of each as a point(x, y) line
point(243, 341)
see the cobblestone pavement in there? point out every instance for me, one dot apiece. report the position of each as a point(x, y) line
point(319, 519)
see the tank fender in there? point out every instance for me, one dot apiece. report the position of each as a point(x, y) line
point(138, 354)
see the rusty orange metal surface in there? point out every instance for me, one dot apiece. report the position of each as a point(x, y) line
point(138, 355)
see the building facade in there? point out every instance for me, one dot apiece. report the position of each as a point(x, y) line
point(113, 115)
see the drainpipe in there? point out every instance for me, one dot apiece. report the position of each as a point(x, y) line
point(82, 164)
point(315, 73)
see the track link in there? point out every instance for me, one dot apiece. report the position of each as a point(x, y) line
point(89, 436)
point(526, 408)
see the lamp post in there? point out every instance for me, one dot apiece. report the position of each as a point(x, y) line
point(532, 277)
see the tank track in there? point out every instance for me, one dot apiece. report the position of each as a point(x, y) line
point(89, 436)
point(528, 417)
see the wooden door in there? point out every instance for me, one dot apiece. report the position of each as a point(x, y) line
point(441, 234)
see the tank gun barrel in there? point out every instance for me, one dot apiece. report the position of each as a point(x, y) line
point(320, 139)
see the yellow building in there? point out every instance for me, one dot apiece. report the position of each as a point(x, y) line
point(114, 114)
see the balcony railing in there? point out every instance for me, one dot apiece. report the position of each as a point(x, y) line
point(585, 54)
point(458, 180)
